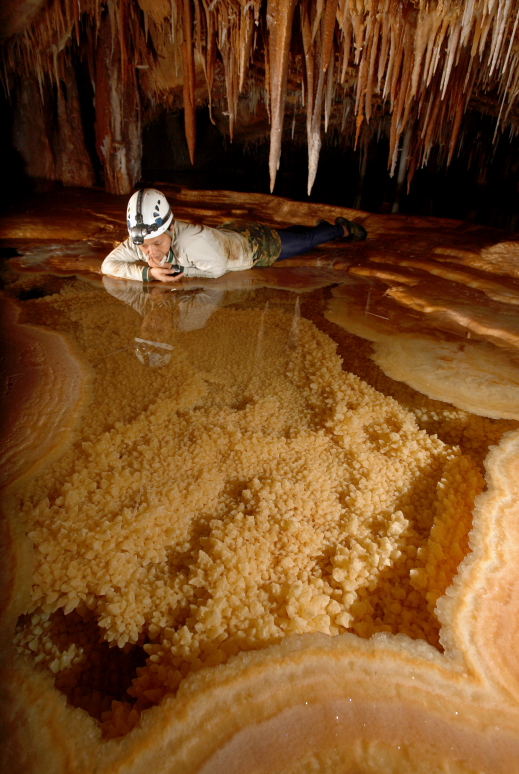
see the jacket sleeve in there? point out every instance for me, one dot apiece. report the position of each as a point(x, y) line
point(126, 261)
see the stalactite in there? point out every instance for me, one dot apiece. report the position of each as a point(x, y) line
point(267, 77)
point(436, 49)
point(317, 17)
point(197, 27)
point(371, 71)
point(189, 79)
point(363, 70)
point(209, 61)
point(487, 26)
point(384, 52)
point(423, 29)
point(435, 22)
point(498, 33)
point(280, 15)
point(315, 100)
point(250, 14)
point(229, 35)
point(358, 34)
point(347, 31)
point(328, 29)
point(390, 62)
point(329, 94)
point(451, 52)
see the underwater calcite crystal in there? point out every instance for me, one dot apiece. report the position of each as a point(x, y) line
point(290, 517)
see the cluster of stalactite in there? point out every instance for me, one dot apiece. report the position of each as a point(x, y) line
point(352, 62)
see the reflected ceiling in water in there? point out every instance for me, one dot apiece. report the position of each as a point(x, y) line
point(207, 486)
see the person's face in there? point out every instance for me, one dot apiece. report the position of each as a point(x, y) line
point(156, 247)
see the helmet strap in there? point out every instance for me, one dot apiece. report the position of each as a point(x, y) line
point(140, 197)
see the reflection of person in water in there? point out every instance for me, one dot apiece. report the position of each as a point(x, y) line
point(165, 249)
point(154, 344)
point(164, 314)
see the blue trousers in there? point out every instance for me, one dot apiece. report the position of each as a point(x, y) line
point(300, 239)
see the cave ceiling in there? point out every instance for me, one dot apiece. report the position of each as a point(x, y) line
point(349, 69)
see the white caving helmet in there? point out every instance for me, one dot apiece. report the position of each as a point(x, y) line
point(149, 214)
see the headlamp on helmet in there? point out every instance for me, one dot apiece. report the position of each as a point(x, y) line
point(154, 354)
point(148, 214)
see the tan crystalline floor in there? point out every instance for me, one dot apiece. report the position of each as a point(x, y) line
point(245, 540)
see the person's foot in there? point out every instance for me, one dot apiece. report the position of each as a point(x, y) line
point(353, 232)
point(322, 222)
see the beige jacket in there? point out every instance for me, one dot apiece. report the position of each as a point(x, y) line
point(202, 251)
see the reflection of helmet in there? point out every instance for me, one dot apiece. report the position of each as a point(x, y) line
point(154, 354)
point(149, 214)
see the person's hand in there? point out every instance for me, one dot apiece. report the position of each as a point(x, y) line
point(165, 274)
point(155, 262)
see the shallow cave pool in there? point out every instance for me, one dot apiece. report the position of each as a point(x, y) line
point(270, 520)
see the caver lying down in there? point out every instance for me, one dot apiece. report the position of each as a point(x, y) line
point(162, 248)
